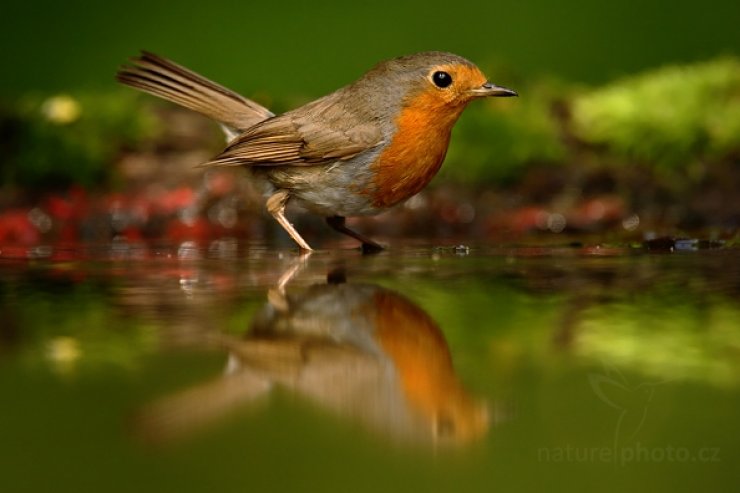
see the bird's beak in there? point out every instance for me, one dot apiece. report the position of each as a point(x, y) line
point(490, 89)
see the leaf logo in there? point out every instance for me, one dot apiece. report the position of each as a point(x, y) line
point(631, 401)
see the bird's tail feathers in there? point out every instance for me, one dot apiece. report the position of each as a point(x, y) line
point(163, 78)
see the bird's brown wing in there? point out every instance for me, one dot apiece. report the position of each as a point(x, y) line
point(319, 133)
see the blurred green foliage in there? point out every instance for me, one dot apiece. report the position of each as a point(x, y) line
point(659, 335)
point(496, 142)
point(73, 328)
point(666, 117)
point(644, 335)
point(59, 140)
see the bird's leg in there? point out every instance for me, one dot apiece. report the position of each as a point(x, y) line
point(276, 295)
point(276, 207)
point(368, 245)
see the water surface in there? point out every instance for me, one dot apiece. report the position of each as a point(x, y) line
point(234, 367)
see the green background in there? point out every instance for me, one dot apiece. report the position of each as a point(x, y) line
point(310, 48)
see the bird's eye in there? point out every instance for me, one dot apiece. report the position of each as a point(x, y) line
point(441, 79)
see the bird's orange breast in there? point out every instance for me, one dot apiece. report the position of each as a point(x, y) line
point(418, 350)
point(416, 151)
point(420, 355)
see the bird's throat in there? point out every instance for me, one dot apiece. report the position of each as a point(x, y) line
point(416, 152)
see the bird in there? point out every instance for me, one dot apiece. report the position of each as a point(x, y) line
point(359, 351)
point(357, 151)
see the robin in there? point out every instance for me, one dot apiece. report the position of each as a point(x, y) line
point(357, 151)
point(363, 352)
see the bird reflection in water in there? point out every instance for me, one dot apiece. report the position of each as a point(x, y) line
point(363, 352)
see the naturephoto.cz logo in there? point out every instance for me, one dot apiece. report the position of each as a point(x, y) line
point(628, 454)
